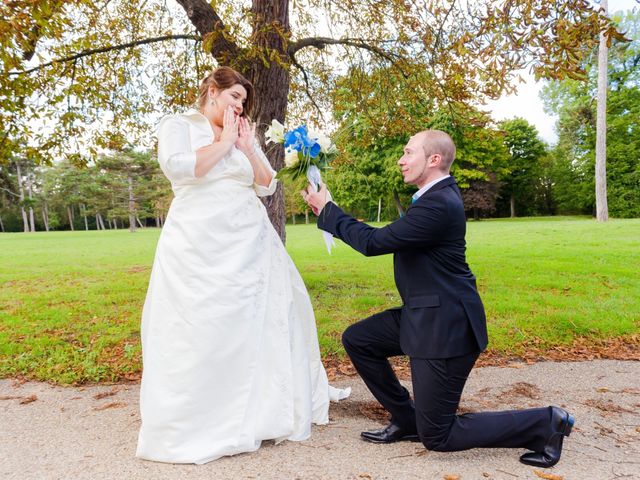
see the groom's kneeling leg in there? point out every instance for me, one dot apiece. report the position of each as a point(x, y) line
point(369, 343)
point(437, 388)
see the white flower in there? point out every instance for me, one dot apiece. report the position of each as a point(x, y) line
point(326, 146)
point(275, 133)
point(290, 157)
point(312, 134)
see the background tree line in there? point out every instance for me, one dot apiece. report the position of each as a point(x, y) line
point(122, 190)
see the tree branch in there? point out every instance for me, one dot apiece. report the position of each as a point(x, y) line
point(10, 192)
point(307, 88)
point(207, 21)
point(86, 53)
point(321, 42)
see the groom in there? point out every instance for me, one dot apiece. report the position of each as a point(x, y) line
point(441, 325)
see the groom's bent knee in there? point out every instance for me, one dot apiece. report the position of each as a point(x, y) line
point(347, 338)
point(353, 339)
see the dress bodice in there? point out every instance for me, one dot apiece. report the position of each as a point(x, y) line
point(180, 136)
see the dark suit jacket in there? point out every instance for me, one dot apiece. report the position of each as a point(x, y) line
point(442, 315)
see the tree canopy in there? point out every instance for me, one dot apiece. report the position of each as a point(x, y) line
point(79, 76)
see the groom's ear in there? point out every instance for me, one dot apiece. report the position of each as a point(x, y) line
point(435, 160)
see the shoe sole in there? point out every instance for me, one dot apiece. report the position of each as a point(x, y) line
point(408, 438)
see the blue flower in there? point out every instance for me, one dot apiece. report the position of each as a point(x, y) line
point(313, 150)
point(299, 140)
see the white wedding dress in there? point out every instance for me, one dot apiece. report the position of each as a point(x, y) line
point(229, 342)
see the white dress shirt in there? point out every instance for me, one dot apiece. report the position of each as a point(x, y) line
point(424, 189)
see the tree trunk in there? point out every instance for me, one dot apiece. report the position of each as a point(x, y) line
point(46, 211)
point(100, 222)
point(1, 225)
point(32, 217)
point(70, 216)
point(602, 209)
point(512, 204)
point(271, 83)
point(379, 207)
point(84, 214)
point(139, 222)
point(399, 207)
point(306, 217)
point(132, 217)
point(293, 218)
point(45, 220)
point(25, 222)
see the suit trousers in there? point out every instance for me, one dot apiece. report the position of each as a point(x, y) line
point(437, 388)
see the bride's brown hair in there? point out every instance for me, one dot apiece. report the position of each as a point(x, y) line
point(222, 78)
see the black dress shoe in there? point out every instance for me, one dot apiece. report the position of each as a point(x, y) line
point(561, 425)
point(389, 434)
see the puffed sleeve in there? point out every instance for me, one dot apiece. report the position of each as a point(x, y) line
point(177, 159)
point(261, 190)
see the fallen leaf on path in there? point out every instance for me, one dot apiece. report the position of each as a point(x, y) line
point(110, 405)
point(523, 389)
point(515, 365)
point(374, 411)
point(102, 395)
point(451, 477)
point(23, 400)
point(638, 429)
point(485, 475)
point(364, 475)
point(607, 406)
point(632, 391)
point(347, 369)
point(547, 476)
point(602, 390)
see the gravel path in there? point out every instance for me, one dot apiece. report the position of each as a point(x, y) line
point(49, 432)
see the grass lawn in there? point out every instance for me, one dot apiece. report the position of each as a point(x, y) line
point(70, 301)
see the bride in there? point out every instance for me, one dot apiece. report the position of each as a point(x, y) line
point(230, 348)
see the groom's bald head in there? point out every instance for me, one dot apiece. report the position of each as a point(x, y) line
point(437, 142)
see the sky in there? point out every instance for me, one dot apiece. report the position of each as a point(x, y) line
point(526, 103)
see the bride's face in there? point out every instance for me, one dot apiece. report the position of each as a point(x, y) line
point(234, 96)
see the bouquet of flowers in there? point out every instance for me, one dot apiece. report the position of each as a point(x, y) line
point(306, 154)
point(304, 150)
